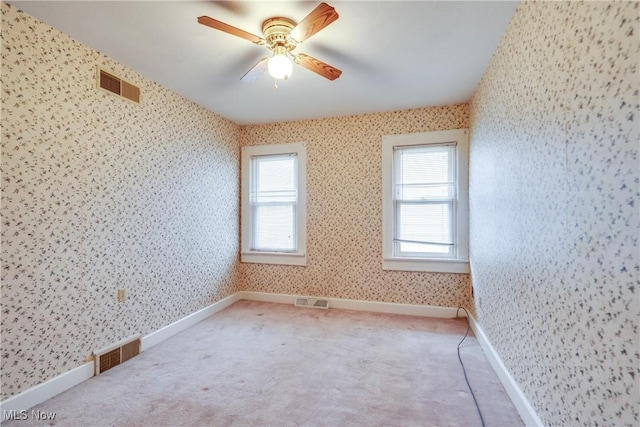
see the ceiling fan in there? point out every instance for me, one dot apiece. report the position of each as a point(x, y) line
point(282, 36)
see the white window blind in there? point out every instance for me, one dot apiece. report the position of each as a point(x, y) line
point(273, 201)
point(424, 198)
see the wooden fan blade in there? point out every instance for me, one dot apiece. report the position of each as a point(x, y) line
point(319, 18)
point(256, 71)
point(218, 25)
point(317, 66)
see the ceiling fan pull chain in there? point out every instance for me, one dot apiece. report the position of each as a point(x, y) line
point(275, 85)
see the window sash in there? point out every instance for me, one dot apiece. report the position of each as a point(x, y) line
point(261, 240)
point(414, 245)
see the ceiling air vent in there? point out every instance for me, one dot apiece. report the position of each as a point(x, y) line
point(116, 354)
point(115, 84)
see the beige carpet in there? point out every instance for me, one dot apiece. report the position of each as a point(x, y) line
point(261, 364)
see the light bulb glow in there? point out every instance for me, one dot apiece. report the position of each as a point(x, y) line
point(280, 66)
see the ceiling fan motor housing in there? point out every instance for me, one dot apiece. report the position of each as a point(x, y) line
point(276, 33)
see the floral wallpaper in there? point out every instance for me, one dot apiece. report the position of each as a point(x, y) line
point(554, 186)
point(344, 211)
point(99, 193)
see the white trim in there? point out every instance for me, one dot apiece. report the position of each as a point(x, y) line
point(282, 258)
point(247, 255)
point(391, 262)
point(359, 305)
point(520, 401)
point(162, 334)
point(421, 264)
point(267, 297)
point(46, 390)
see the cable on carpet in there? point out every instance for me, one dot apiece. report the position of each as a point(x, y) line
point(462, 364)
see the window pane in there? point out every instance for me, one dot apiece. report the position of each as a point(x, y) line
point(425, 223)
point(274, 179)
point(425, 173)
point(274, 228)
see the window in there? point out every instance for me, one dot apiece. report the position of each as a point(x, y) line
point(425, 187)
point(274, 204)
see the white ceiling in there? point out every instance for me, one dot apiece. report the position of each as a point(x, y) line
point(394, 55)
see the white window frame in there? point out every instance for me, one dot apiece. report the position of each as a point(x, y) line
point(247, 254)
point(459, 264)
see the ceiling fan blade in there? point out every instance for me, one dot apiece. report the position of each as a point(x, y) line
point(319, 18)
point(218, 25)
point(256, 71)
point(317, 66)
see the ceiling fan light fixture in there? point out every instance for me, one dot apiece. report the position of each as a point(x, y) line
point(280, 65)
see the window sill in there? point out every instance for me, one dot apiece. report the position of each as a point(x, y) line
point(274, 258)
point(429, 265)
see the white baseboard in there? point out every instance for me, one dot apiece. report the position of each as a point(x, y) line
point(162, 334)
point(520, 401)
point(347, 304)
point(46, 390)
point(267, 297)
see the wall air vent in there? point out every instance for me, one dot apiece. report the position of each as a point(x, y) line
point(113, 355)
point(311, 302)
point(115, 84)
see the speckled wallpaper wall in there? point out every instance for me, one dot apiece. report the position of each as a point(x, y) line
point(100, 193)
point(554, 208)
point(344, 211)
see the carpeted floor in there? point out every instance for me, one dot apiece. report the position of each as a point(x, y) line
point(262, 364)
